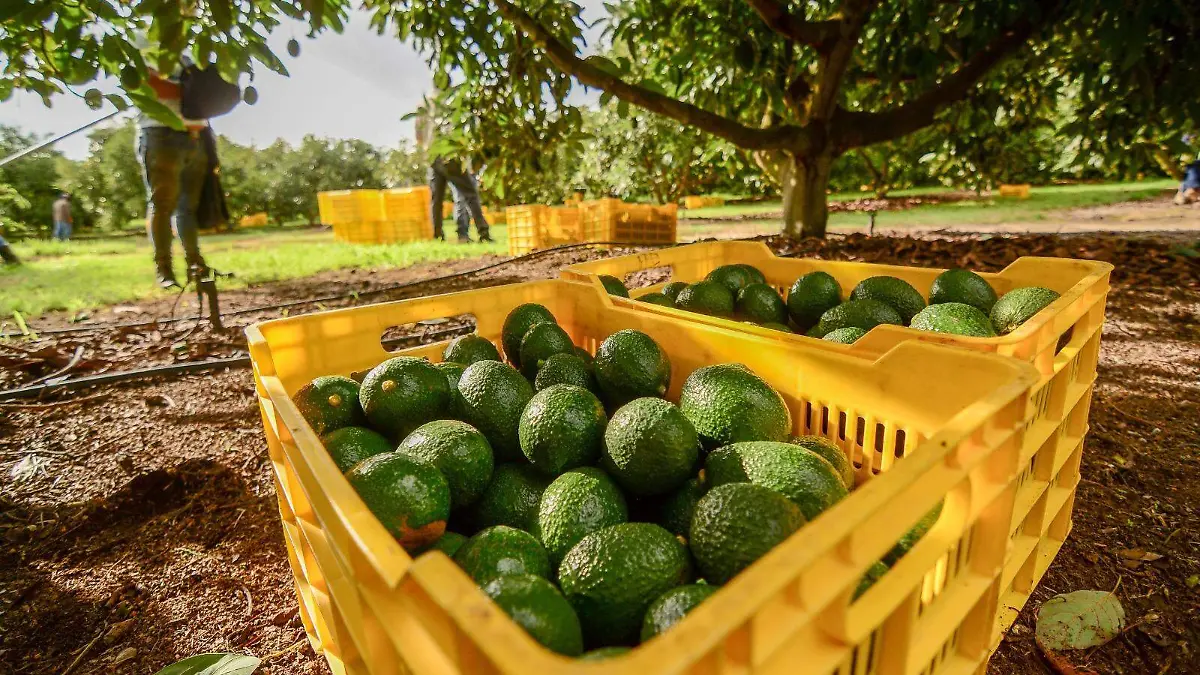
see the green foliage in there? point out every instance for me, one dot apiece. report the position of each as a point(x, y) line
point(32, 186)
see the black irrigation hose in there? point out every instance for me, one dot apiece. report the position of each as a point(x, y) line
point(179, 368)
point(331, 298)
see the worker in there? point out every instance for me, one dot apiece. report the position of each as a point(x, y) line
point(6, 253)
point(63, 221)
point(445, 170)
point(1189, 190)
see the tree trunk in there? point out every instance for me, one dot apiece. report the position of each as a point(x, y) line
point(804, 181)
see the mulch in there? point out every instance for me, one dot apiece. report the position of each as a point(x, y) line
point(138, 522)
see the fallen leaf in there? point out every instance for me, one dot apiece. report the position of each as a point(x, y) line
point(213, 664)
point(1079, 620)
point(1138, 554)
point(127, 654)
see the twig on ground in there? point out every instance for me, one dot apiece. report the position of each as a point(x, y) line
point(86, 650)
point(282, 652)
point(75, 359)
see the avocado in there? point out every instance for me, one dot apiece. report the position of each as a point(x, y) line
point(706, 297)
point(565, 369)
point(459, 451)
point(673, 289)
point(811, 296)
point(674, 511)
point(897, 293)
point(728, 403)
point(650, 448)
point(733, 277)
point(576, 504)
point(965, 286)
point(613, 574)
point(777, 326)
point(467, 349)
point(493, 395)
point(736, 524)
point(864, 314)
point(511, 498)
point(604, 653)
point(542, 341)
point(517, 323)
point(670, 607)
point(1018, 306)
point(629, 364)
point(330, 403)
point(910, 538)
point(403, 393)
point(350, 445)
point(954, 318)
point(614, 286)
point(846, 336)
point(537, 606)
point(761, 304)
point(449, 543)
point(797, 473)
point(500, 550)
point(453, 372)
point(657, 299)
point(411, 500)
point(561, 428)
point(830, 453)
point(874, 573)
point(753, 273)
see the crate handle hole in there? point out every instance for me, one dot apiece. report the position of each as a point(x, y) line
point(426, 331)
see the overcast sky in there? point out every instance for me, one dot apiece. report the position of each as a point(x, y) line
point(354, 85)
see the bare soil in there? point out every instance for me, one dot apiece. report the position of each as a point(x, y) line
point(138, 523)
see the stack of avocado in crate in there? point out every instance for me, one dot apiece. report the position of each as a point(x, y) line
point(377, 216)
point(1047, 312)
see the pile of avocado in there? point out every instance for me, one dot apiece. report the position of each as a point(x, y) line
point(592, 510)
point(960, 303)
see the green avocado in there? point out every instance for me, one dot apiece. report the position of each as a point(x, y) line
point(954, 318)
point(492, 395)
point(576, 504)
point(412, 500)
point(797, 473)
point(517, 323)
point(330, 403)
point(350, 445)
point(670, 607)
point(736, 524)
point(965, 286)
point(1018, 306)
point(459, 451)
point(500, 550)
point(897, 293)
point(467, 349)
point(629, 364)
point(537, 606)
point(707, 297)
point(561, 428)
point(727, 403)
point(811, 296)
point(650, 448)
point(403, 393)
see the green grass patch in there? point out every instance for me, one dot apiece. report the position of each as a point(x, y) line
point(80, 275)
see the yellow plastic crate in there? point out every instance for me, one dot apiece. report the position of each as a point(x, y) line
point(350, 206)
point(611, 220)
point(702, 202)
point(918, 430)
point(253, 220)
point(535, 226)
point(1062, 342)
point(357, 232)
point(1018, 191)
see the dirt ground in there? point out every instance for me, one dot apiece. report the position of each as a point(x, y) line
point(138, 523)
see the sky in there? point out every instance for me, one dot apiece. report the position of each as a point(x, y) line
point(356, 84)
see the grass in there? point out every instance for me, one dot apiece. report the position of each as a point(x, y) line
point(80, 275)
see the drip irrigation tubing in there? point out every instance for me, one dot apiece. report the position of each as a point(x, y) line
point(242, 361)
point(329, 298)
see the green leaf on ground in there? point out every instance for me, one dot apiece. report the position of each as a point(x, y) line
point(1079, 620)
point(213, 664)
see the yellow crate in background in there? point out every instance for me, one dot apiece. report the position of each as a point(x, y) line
point(253, 220)
point(535, 226)
point(702, 202)
point(923, 424)
point(406, 215)
point(611, 220)
point(1062, 342)
point(1018, 191)
point(356, 233)
point(350, 206)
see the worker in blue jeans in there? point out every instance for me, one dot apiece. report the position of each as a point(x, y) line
point(63, 221)
point(174, 168)
point(467, 204)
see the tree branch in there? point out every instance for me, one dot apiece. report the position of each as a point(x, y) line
point(835, 63)
point(565, 59)
point(854, 129)
point(816, 34)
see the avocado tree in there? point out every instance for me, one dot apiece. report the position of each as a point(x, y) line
point(799, 83)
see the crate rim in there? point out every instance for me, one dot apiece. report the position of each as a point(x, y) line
point(579, 272)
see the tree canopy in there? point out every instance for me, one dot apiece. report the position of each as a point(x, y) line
point(800, 84)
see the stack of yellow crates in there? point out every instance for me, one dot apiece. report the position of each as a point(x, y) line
point(377, 216)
